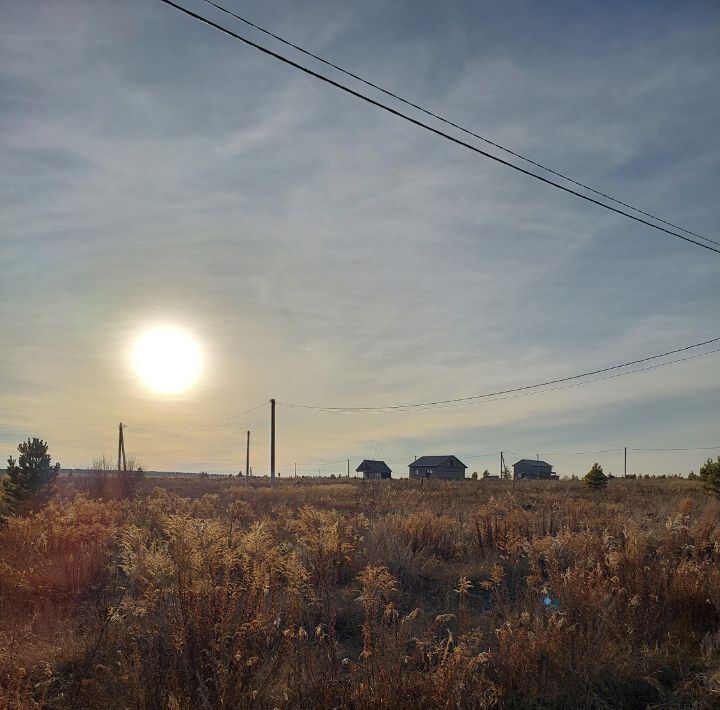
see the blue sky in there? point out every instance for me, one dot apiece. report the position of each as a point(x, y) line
point(324, 252)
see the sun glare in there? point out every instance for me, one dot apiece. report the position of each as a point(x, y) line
point(167, 360)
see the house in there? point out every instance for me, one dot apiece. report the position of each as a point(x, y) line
point(438, 467)
point(374, 469)
point(532, 469)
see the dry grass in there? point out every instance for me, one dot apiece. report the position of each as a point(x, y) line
point(220, 594)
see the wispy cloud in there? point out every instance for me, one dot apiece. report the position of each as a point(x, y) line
point(326, 253)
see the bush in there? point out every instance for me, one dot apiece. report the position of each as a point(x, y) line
point(30, 473)
point(595, 478)
point(710, 475)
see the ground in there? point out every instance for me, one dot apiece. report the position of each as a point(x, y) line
point(176, 593)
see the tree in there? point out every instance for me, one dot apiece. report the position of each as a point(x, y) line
point(31, 472)
point(710, 475)
point(595, 478)
point(506, 475)
point(474, 476)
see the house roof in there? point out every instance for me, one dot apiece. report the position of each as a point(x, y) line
point(534, 462)
point(369, 466)
point(431, 461)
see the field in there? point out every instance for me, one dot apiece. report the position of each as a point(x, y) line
point(349, 594)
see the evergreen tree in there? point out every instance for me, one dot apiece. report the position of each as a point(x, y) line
point(31, 472)
point(710, 475)
point(595, 478)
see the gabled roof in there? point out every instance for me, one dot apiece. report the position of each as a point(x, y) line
point(431, 461)
point(369, 466)
point(534, 462)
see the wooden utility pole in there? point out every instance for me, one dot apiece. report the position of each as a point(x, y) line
point(295, 464)
point(502, 466)
point(625, 464)
point(348, 468)
point(122, 462)
point(247, 457)
point(272, 441)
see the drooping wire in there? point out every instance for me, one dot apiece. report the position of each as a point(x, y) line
point(476, 397)
point(430, 128)
point(448, 122)
point(200, 426)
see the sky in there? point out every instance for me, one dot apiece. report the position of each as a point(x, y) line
point(323, 252)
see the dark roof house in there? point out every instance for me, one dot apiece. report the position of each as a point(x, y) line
point(442, 467)
point(374, 469)
point(532, 469)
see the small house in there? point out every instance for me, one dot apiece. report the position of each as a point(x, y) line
point(438, 467)
point(374, 469)
point(534, 470)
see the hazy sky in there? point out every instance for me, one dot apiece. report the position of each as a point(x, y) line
point(323, 252)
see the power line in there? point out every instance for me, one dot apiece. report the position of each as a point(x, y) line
point(437, 403)
point(200, 426)
point(572, 453)
point(430, 128)
point(233, 417)
point(692, 448)
point(452, 123)
point(579, 384)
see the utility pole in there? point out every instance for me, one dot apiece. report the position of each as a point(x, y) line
point(625, 464)
point(121, 449)
point(502, 466)
point(348, 468)
point(295, 464)
point(247, 457)
point(272, 441)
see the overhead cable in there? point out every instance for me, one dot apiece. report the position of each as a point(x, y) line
point(474, 397)
point(430, 128)
point(448, 122)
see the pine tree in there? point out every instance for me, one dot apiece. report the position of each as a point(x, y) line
point(710, 475)
point(595, 478)
point(31, 472)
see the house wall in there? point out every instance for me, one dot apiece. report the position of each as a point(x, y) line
point(442, 473)
point(366, 474)
point(531, 471)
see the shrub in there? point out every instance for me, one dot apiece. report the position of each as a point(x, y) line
point(710, 475)
point(595, 478)
point(31, 472)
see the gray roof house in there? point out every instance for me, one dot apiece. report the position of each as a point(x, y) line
point(374, 469)
point(532, 469)
point(438, 467)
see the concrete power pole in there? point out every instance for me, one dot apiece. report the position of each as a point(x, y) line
point(272, 441)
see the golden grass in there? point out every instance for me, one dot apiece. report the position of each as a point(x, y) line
point(229, 594)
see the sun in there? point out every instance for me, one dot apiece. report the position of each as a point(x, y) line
point(167, 360)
